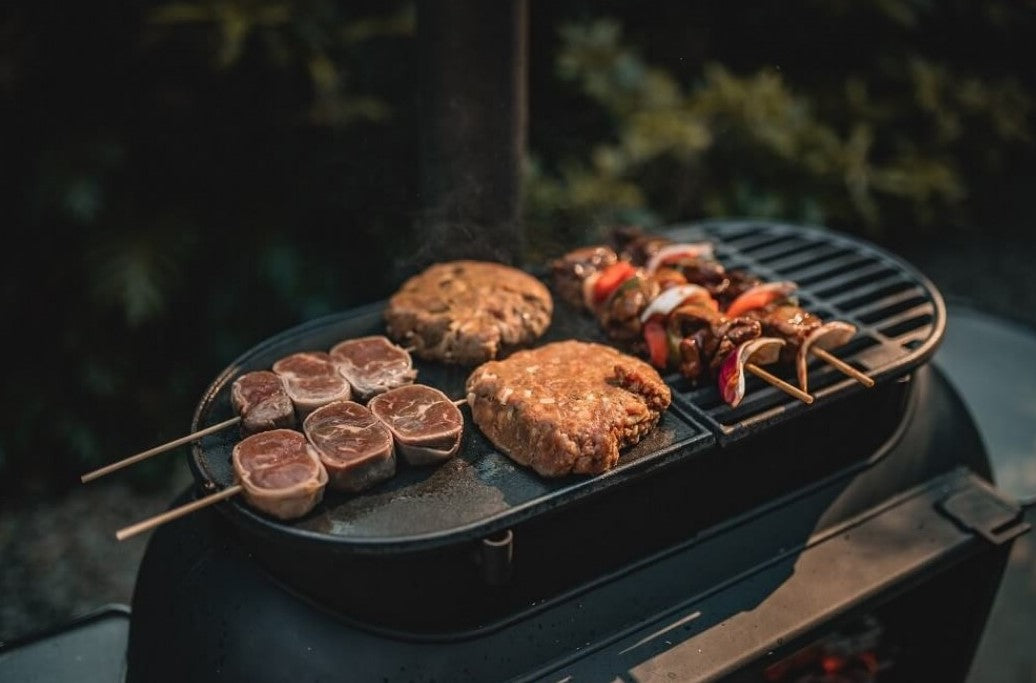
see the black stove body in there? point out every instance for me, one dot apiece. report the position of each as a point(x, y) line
point(856, 538)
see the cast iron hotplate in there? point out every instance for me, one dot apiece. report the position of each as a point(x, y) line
point(469, 496)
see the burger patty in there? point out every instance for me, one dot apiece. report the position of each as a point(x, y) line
point(467, 312)
point(568, 407)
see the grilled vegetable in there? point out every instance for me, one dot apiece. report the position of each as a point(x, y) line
point(657, 343)
point(675, 252)
point(670, 299)
point(760, 296)
point(610, 278)
point(828, 336)
point(731, 380)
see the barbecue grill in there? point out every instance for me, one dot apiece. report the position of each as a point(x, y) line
point(755, 543)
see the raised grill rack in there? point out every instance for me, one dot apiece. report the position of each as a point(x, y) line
point(899, 314)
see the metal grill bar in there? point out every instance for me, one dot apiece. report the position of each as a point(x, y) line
point(898, 313)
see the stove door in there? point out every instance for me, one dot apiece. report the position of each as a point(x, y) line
point(902, 591)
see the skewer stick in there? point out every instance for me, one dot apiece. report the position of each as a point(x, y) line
point(844, 367)
point(175, 513)
point(460, 401)
point(779, 383)
point(90, 476)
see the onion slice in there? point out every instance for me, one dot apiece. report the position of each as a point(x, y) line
point(828, 336)
point(672, 251)
point(760, 296)
point(761, 351)
point(664, 303)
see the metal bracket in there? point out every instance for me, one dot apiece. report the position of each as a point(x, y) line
point(497, 558)
point(985, 511)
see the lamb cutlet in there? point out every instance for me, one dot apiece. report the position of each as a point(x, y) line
point(354, 446)
point(312, 380)
point(570, 271)
point(468, 312)
point(279, 472)
point(567, 407)
point(261, 400)
point(373, 365)
point(426, 425)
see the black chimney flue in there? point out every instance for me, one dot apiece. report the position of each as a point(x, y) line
point(473, 63)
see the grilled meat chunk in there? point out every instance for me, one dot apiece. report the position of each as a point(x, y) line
point(707, 337)
point(619, 316)
point(724, 285)
point(468, 312)
point(570, 271)
point(312, 380)
point(567, 407)
point(733, 284)
point(788, 322)
point(636, 246)
point(354, 446)
point(426, 425)
point(280, 473)
point(373, 365)
point(261, 400)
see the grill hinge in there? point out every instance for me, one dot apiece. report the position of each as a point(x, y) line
point(983, 510)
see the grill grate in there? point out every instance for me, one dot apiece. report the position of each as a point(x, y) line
point(899, 315)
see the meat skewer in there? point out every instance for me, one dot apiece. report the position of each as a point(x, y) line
point(806, 334)
point(278, 471)
point(712, 344)
point(632, 303)
point(737, 291)
point(353, 449)
point(260, 401)
point(651, 274)
point(300, 382)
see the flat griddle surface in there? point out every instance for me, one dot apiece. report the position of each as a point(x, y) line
point(900, 316)
point(472, 495)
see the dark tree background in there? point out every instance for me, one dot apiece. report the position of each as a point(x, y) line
point(185, 179)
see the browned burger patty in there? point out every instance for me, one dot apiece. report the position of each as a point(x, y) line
point(568, 407)
point(466, 312)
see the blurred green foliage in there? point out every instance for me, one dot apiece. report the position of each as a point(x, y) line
point(893, 138)
point(190, 178)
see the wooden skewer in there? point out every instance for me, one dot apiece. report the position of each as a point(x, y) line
point(175, 513)
point(107, 469)
point(779, 383)
point(841, 365)
point(460, 401)
point(169, 515)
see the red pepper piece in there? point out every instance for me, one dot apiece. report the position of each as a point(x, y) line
point(760, 296)
point(657, 343)
point(610, 279)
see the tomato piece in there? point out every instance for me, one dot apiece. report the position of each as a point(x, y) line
point(610, 279)
point(657, 343)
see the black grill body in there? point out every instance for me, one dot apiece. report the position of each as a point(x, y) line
point(733, 540)
point(765, 566)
